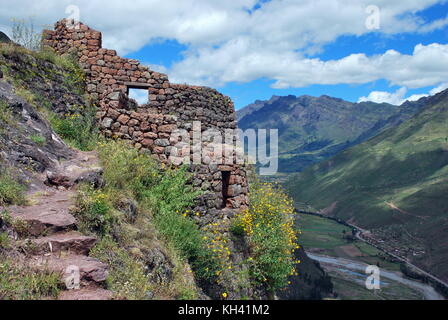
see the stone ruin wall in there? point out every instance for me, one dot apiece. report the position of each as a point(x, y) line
point(170, 107)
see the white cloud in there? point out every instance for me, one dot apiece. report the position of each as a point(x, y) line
point(227, 43)
point(427, 66)
point(395, 98)
point(398, 97)
point(439, 88)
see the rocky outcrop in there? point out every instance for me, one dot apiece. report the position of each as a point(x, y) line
point(19, 124)
point(44, 229)
point(4, 38)
point(311, 283)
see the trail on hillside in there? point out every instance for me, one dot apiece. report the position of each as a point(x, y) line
point(57, 245)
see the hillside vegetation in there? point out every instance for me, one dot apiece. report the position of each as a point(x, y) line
point(394, 185)
point(136, 209)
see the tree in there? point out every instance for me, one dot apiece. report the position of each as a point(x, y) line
point(24, 33)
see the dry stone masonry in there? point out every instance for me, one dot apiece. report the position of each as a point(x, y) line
point(170, 108)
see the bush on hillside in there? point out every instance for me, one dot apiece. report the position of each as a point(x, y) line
point(268, 224)
point(11, 192)
point(161, 192)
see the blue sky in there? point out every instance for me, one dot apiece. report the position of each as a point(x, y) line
point(250, 49)
point(166, 53)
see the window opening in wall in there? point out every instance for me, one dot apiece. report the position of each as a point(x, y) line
point(139, 95)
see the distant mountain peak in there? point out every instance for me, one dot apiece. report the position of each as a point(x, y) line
point(312, 129)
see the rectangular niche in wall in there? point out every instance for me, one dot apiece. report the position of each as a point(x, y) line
point(225, 188)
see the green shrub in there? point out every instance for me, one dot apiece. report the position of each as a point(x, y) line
point(78, 130)
point(5, 241)
point(183, 234)
point(11, 192)
point(165, 193)
point(126, 171)
point(269, 225)
point(127, 277)
point(171, 192)
point(169, 199)
point(93, 211)
point(38, 139)
point(73, 75)
point(23, 283)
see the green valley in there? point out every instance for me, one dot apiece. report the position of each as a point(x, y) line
point(327, 238)
point(394, 185)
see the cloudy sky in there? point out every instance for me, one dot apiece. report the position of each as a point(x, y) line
point(378, 50)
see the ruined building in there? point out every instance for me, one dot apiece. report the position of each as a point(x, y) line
point(171, 108)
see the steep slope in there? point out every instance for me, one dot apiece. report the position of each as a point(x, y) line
point(30, 153)
point(395, 185)
point(39, 178)
point(313, 129)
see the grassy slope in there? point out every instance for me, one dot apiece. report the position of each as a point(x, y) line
point(406, 166)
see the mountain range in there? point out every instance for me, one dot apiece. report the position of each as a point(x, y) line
point(312, 129)
point(395, 185)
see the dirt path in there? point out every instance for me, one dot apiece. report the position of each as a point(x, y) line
point(56, 245)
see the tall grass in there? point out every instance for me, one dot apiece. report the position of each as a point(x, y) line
point(23, 283)
point(79, 130)
point(11, 192)
point(165, 193)
point(127, 278)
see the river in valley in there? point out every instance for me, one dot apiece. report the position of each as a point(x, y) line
point(349, 266)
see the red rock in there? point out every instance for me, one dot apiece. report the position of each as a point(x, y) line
point(93, 43)
point(147, 142)
point(70, 241)
point(51, 213)
point(150, 135)
point(86, 294)
point(159, 150)
point(123, 119)
point(95, 35)
point(91, 270)
point(133, 123)
point(168, 128)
